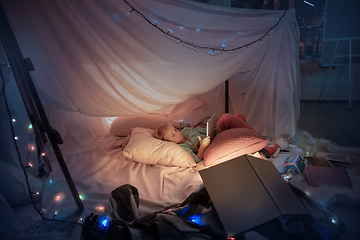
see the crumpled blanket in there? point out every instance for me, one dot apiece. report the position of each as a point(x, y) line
point(196, 218)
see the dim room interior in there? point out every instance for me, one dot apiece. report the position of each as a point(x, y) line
point(85, 83)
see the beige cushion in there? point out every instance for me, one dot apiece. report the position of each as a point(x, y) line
point(144, 148)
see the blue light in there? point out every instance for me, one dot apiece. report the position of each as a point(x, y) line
point(170, 31)
point(181, 27)
point(156, 23)
point(198, 29)
point(196, 219)
point(105, 222)
point(50, 181)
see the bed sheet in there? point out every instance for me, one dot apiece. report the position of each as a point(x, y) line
point(99, 167)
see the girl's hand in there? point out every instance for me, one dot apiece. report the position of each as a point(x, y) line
point(204, 143)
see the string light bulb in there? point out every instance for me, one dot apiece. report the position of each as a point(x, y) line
point(13, 120)
point(30, 126)
point(101, 208)
point(196, 47)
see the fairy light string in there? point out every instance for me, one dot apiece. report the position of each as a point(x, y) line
point(198, 47)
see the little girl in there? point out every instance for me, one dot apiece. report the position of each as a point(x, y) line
point(194, 140)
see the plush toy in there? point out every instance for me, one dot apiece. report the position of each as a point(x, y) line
point(283, 143)
point(273, 148)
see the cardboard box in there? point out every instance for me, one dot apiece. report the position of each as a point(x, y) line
point(318, 161)
point(332, 176)
point(336, 159)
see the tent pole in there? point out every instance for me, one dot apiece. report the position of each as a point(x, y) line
point(20, 68)
point(227, 96)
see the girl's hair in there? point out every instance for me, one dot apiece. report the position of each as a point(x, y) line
point(159, 131)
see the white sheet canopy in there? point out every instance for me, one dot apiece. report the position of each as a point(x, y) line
point(101, 58)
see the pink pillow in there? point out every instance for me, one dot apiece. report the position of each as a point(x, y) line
point(232, 143)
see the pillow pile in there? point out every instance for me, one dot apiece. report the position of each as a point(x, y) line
point(122, 126)
point(144, 148)
point(232, 143)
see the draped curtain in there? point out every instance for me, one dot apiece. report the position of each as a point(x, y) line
point(110, 58)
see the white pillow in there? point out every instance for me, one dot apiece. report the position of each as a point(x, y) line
point(144, 148)
point(13, 185)
point(122, 126)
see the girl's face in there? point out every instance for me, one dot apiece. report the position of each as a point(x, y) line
point(172, 134)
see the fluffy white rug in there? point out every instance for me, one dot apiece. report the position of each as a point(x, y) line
point(327, 195)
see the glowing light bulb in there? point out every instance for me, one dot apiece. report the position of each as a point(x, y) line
point(333, 220)
point(50, 181)
point(181, 27)
point(43, 154)
point(16, 138)
point(30, 165)
point(57, 198)
point(30, 126)
point(13, 120)
point(101, 208)
point(198, 29)
point(32, 148)
point(81, 197)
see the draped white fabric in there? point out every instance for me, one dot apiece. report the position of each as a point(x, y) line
point(100, 58)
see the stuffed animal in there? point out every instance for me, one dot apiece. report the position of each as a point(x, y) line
point(283, 143)
point(273, 148)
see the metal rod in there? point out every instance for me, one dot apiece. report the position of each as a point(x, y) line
point(350, 75)
point(24, 81)
point(327, 75)
point(227, 96)
point(340, 39)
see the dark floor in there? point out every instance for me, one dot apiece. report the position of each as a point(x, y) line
point(332, 120)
